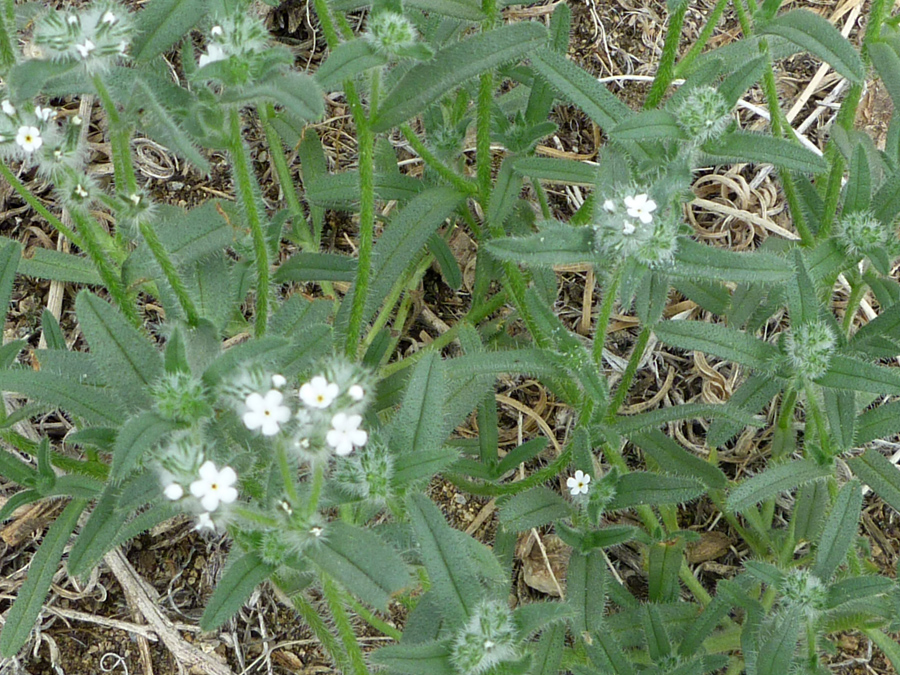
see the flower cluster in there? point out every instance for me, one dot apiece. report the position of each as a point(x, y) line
point(629, 225)
point(861, 232)
point(488, 639)
point(26, 132)
point(96, 36)
point(393, 35)
point(704, 114)
point(211, 488)
point(239, 39)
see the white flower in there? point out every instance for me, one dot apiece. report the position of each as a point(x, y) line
point(135, 198)
point(85, 49)
point(609, 206)
point(215, 31)
point(641, 206)
point(204, 522)
point(76, 120)
point(43, 114)
point(81, 192)
point(72, 19)
point(108, 17)
point(213, 53)
point(215, 486)
point(7, 107)
point(174, 491)
point(578, 484)
point(316, 531)
point(345, 434)
point(266, 412)
point(29, 138)
point(628, 228)
point(356, 392)
point(319, 392)
point(278, 381)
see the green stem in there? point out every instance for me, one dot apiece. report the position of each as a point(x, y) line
point(400, 287)
point(119, 139)
point(606, 308)
point(630, 370)
point(857, 291)
point(335, 600)
point(39, 208)
point(112, 279)
point(366, 140)
point(169, 272)
point(315, 493)
point(483, 157)
point(246, 187)
point(320, 629)
point(542, 199)
point(287, 474)
point(462, 184)
point(282, 170)
point(327, 23)
point(697, 48)
point(370, 618)
point(666, 71)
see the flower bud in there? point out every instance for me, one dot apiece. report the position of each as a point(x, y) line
point(180, 397)
point(801, 588)
point(809, 347)
point(861, 231)
point(489, 638)
point(367, 473)
point(704, 114)
point(96, 36)
point(390, 33)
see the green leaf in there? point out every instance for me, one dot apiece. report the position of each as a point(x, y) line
point(886, 324)
point(695, 261)
point(361, 562)
point(856, 588)
point(801, 293)
point(97, 535)
point(649, 125)
point(14, 469)
point(877, 423)
point(712, 296)
point(671, 457)
point(752, 395)
point(743, 146)
point(161, 23)
point(846, 372)
point(840, 407)
point(418, 427)
point(555, 244)
point(424, 657)
point(17, 500)
point(708, 621)
point(127, 359)
point(810, 508)
point(719, 341)
point(467, 10)
point(736, 85)
point(535, 362)
point(657, 637)
point(605, 652)
point(840, 531)
point(640, 488)
point(586, 581)
point(10, 255)
point(580, 88)
point(445, 259)
point(51, 331)
point(298, 93)
point(887, 64)
point(304, 266)
point(451, 573)
point(138, 435)
point(664, 562)
point(651, 419)
point(91, 403)
point(346, 61)
point(776, 650)
point(421, 464)
point(27, 78)
point(241, 577)
point(774, 480)
point(859, 186)
point(877, 471)
point(820, 38)
point(55, 265)
point(547, 655)
point(533, 508)
point(22, 616)
point(427, 82)
point(556, 170)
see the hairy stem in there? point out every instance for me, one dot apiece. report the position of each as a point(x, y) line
point(666, 71)
point(335, 599)
point(169, 272)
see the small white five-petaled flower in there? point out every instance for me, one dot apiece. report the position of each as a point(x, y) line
point(266, 412)
point(7, 107)
point(173, 491)
point(578, 484)
point(319, 392)
point(213, 53)
point(356, 392)
point(29, 138)
point(214, 486)
point(345, 434)
point(85, 49)
point(81, 192)
point(641, 206)
point(43, 114)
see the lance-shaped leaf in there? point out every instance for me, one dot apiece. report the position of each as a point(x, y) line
point(650, 489)
point(776, 649)
point(298, 93)
point(880, 422)
point(606, 653)
point(651, 419)
point(308, 266)
point(244, 573)
point(535, 362)
point(859, 186)
point(533, 508)
point(127, 359)
point(698, 261)
point(556, 170)
point(708, 621)
point(840, 407)
point(346, 61)
point(138, 435)
point(742, 146)
point(93, 404)
point(547, 655)
point(801, 293)
point(856, 588)
point(586, 581)
point(820, 38)
point(555, 244)
point(847, 372)
point(810, 508)
point(427, 82)
point(467, 10)
point(418, 427)
point(752, 395)
point(649, 125)
point(22, 616)
point(877, 471)
point(887, 64)
point(774, 480)
point(664, 560)
point(10, 255)
point(719, 341)
point(671, 457)
point(659, 646)
point(414, 659)
point(839, 532)
point(97, 535)
point(161, 23)
point(886, 324)
point(361, 562)
point(451, 570)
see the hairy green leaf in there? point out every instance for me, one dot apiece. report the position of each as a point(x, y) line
point(533, 508)
point(650, 489)
point(840, 530)
point(555, 244)
point(161, 23)
point(774, 480)
point(743, 146)
point(719, 341)
point(241, 577)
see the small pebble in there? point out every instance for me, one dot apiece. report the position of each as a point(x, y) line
point(460, 499)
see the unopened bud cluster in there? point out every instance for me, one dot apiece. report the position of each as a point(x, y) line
point(860, 232)
point(809, 348)
point(390, 32)
point(804, 590)
point(95, 36)
point(239, 35)
point(628, 224)
point(704, 114)
point(488, 639)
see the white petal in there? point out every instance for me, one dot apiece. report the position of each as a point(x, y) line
point(204, 522)
point(344, 449)
point(587, 478)
point(646, 218)
point(228, 494)
point(227, 476)
point(279, 381)
point(255, 402)
point(571, 482)
point(253, 420)
point(199, 488)
point(210, 501)
point(358, 437)
point(208, 472)
point(334, 438)
point(273, 398)
point(269, 427)
point(174, 491)
point(609, 206)
point(356, 392)
point(8, 108)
